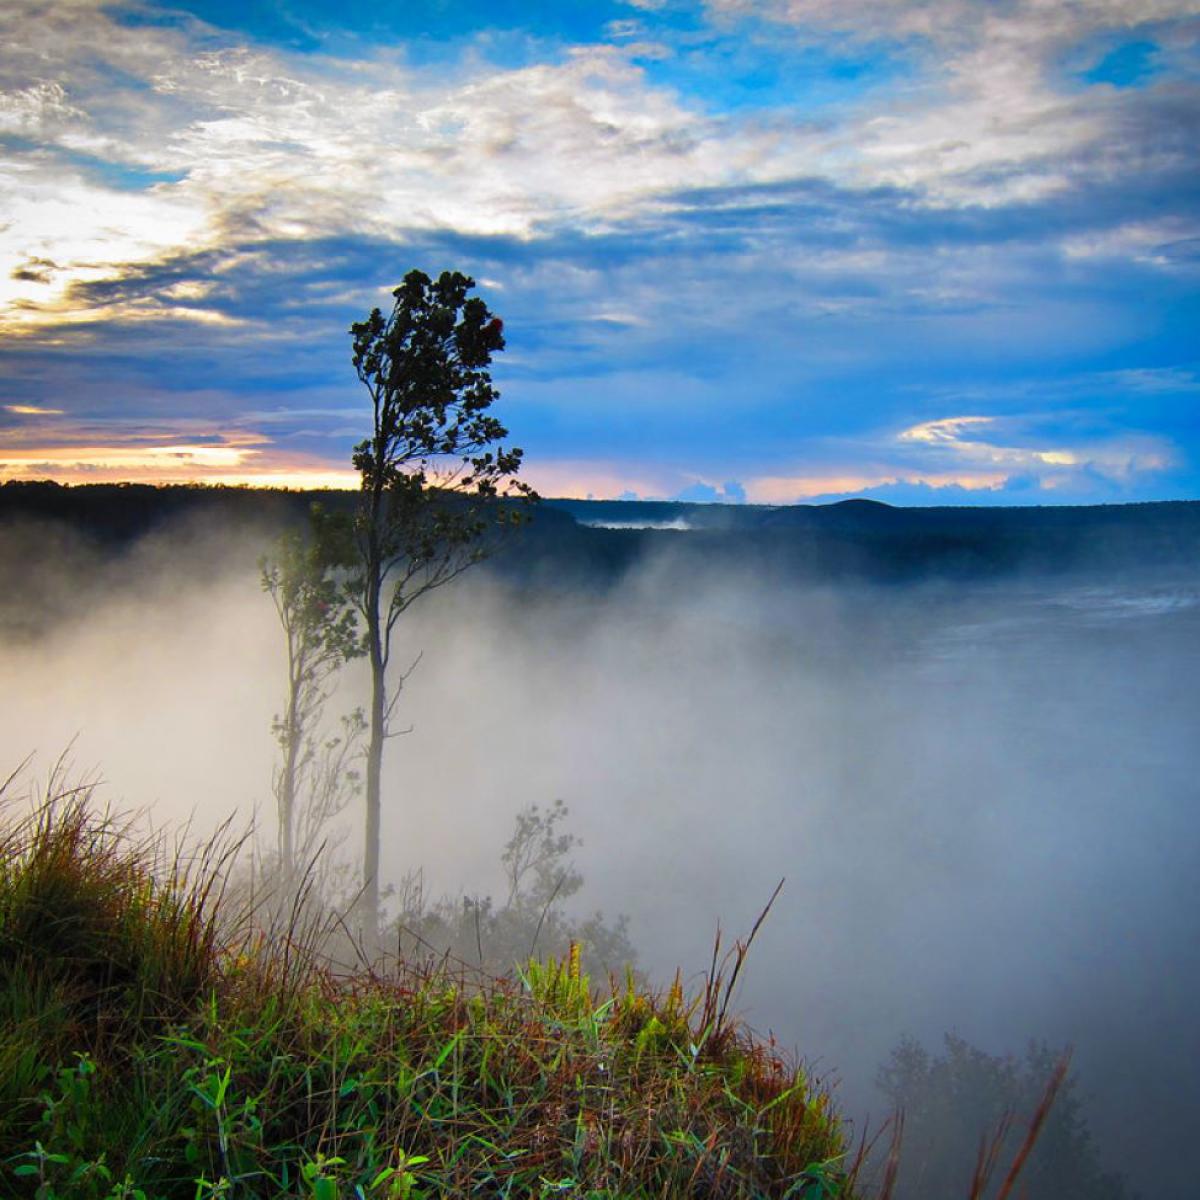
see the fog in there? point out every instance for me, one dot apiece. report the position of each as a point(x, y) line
point(983, 796)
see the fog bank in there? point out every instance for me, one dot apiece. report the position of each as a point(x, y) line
point(983, 797)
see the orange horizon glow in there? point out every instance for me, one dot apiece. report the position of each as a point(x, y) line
point(774, 489)
point(242, 466)
point(573, 479)
point(313, 479)
point(239, 459)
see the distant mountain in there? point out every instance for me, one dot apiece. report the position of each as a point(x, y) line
point(594, 541)
point(870, 539)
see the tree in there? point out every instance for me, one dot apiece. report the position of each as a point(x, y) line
point(531, 921)
point(314, 779)
point(952, 1101)
point(435, 479)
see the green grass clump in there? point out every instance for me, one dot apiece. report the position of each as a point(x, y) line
point(98, 955)
point(149, 1050)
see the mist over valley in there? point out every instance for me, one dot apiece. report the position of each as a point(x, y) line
point(976, 769)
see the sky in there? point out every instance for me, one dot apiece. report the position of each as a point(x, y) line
point(774, 251)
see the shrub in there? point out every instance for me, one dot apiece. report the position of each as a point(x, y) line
point(153, 1051)
point(951, 1100)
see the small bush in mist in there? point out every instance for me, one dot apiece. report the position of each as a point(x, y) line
point(153, 1051)
point(539, 878)
point(951, 1101)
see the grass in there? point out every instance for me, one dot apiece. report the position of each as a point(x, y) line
point(154, 1046)
point(155, 1043)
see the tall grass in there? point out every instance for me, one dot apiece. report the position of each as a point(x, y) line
point(155, 1045)
point(151, 1046)
point(98, 951)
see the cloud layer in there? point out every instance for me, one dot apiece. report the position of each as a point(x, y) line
point(757, 244)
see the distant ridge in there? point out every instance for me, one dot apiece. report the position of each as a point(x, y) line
point(869, 539)
point(598, 540)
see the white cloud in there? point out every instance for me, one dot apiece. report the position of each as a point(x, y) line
point(1155, 380)
point(253, 142)
point(804, 487)
point(265, 144)
point(989, 119)
point(1014, 447)
point(942, 431)
point(82, 229)
point(35, 110)
point(1152, 242)
point(945, 21)
point(959, 456)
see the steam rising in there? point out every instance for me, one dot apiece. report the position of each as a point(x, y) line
point(983, 797)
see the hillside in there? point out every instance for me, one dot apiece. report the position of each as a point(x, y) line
point(155, 1045)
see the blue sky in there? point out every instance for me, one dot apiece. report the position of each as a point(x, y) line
point(937, 252)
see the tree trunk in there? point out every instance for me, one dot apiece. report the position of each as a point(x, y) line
point(287, 800)
point(286, 797)
point(378, 729)
point(378, 732)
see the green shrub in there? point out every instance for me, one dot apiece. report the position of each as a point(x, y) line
point(152, 1051)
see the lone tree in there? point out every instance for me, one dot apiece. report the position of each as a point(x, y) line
point(435, 481)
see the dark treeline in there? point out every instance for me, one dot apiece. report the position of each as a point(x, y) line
point(576, 538)
point(868, 540)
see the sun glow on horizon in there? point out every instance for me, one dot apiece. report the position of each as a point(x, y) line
point(237, 459)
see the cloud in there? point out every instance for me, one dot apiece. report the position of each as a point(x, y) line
point(33, 410)
point(700, 492)
point(586, 479)
point(697, 291)
point(879, 482)
point(1046, 457)
point(35, 110)
point(1115, 459)
point(263, 145)
point(944, 430)
point(1014, 450)
point(1169, 243)
point(150, 454)
point(954, 21)
point(992, 118)
point(921, 493)
point(255, 145)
